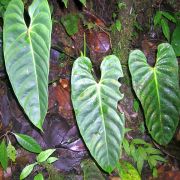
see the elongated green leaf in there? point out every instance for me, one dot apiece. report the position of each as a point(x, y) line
point(11, 152)
point(70, 22)
point(151, 150)
point(27, 171)
point(3, 155)
point(28, 143)
point(133, 152)
point(118, 25)
point(141, 152)
point(157, 18)
point(169, 16)
point(52, 160)
point(152, 162)
point(158, 90)
point(155, 172)
point(165, 29)
point(138, 141)
point(26, 52)
point(83, 2)
point(91, 171)
point(158, 158)
point(95, 105)
point(126, 146)
point(175, 42)
point(43, 156)
point(65, 2)
point(127, 171)
point(39, 177)
point(136, 105)
point(140, 163)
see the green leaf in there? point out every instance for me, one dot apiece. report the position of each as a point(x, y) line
point(118, 25)
point(142, 152)
point(28, 143)
point(126, 146)
point(65, 2)
point(39, 177)
point(127, 171)
point(140, 162)
point(83, 2)
point(3, 6)
point(126, 130)
point(152, 162)
point(133, 151)
point(158, 90)
point(151, 150)
point(11, 151)
point(169, 16)
point(91, 171)
point(175, 42)
point(155, 173)
point(70, 22)
point(26, 53)
point(3, 155)
point(158, 158)
point(27, 170)
point(136, 105)
point(121, 5)
point(142, 128)
point(43, 156)
point(157, 18)
point(165, 29)
point(51, 160)
point(138, 141)
point(95, 105)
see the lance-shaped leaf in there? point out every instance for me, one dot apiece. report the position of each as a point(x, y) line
point(175, 42)
point(158, 90)
point(95, 105)
point(26, 52)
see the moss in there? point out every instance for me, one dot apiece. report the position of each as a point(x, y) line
point(121, 40)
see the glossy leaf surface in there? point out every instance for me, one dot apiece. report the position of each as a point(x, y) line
point(28, 143)
point(26, 53)
point(43, 156)
point(158, 90)
point(27, 170)
point(175, 42)
point(3, 155)
point(95, 105)
point(165, 28)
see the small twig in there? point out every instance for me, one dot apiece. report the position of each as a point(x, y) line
point(60, 50)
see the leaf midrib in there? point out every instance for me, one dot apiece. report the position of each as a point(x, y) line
point(103, 119)
point(35, 71)
point(158, 96)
